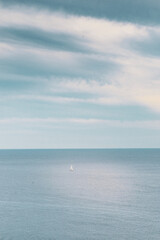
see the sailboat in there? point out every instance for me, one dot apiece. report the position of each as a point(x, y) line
point(71, 168)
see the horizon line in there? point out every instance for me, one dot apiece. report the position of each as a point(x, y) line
point(80, 148)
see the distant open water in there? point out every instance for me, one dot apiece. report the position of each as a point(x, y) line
point(110, 195)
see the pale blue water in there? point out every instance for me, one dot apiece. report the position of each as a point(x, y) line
point(112, 194)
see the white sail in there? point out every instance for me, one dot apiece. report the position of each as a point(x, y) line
point(71, 168)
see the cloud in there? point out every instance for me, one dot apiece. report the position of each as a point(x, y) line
point(136, 85)
point(150, 47)
point(81, 121)
point(83, 28)
point(66, 53)
point(39, 38)
point(47, 66)
point(52, 99)
point(144, 11)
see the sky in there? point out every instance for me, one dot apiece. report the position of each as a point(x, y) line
point(79, 74)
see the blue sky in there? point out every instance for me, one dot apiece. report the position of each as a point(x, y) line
point(79, 74)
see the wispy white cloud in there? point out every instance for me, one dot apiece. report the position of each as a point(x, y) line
point(98, 29)
point(100, 35)
point(133, 86)
point(154, 124)
point(51, 99)
point(135, 80)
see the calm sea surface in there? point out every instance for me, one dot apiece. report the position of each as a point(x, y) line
point(110, 195)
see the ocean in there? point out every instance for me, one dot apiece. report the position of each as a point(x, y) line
point(112, 194)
